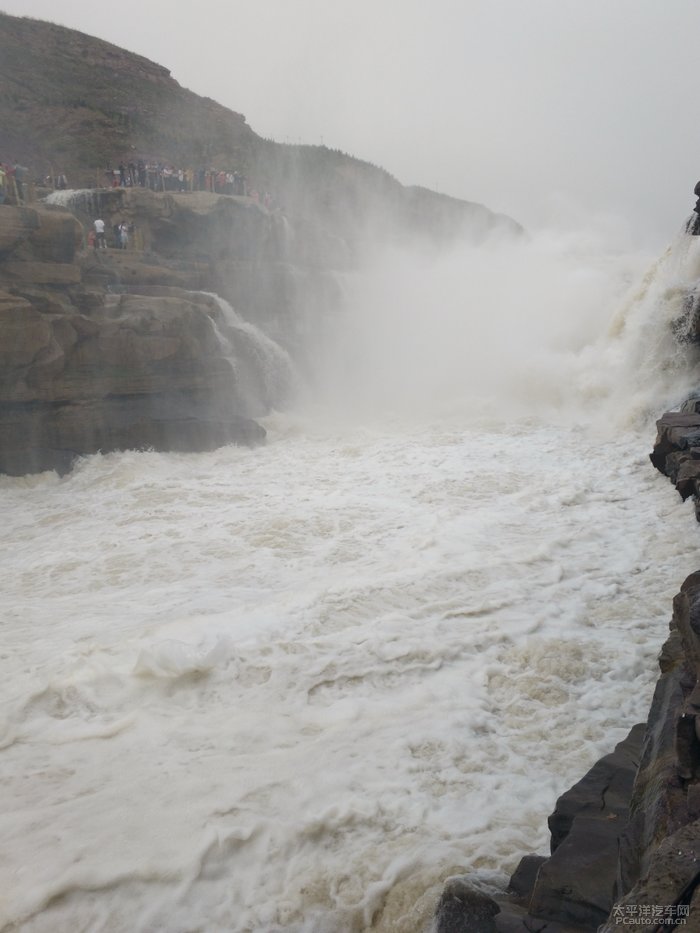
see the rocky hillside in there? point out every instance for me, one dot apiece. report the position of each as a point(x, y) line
point(110, 349)
point(107, 349)
point(73, 104)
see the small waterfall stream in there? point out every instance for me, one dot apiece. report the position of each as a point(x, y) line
point(264, 370)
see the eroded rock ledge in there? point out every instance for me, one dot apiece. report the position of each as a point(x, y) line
point(110, 350)
point(625, 840)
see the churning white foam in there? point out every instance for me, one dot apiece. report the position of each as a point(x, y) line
point(552, 326)
point(292, 689)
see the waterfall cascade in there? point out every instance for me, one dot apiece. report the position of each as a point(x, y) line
point(265, 371)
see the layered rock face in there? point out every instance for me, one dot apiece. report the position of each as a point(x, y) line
point(677, 449)
point(110, 349)
point(86, 370)
point(106, 349)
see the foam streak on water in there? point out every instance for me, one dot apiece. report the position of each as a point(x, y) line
point(292, 688)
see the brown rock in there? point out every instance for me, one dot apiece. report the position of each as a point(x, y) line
point(42, 273)
point(23, 333)
point(34, 439)
point(57, 237)
point(16, 224)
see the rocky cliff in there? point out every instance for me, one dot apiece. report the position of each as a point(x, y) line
point(112, 349)
point(104, 350)
point(73, 104)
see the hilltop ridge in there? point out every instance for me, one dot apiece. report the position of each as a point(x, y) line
point(76, 105)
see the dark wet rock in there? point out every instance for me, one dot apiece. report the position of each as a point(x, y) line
point(685, 328)
point(464, 909)
point(674, 429)
point(573, 890)
point(71, 431)
point(513, 919)
point(626, 838)
point(691, 404)
point(603, 794)
point(523, 879)
point(575, 886)
point(671, 879)
point(676, 451)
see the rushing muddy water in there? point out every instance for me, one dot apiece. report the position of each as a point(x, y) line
point(294, 688)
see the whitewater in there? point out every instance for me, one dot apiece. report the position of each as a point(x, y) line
point(295, 688)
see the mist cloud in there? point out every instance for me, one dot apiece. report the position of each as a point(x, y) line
point(520, 106)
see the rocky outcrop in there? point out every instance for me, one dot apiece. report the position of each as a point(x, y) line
point(120, 348)
point(88, 363)
point(574, 888)
point(275, 275)
point(677, 449)
point(89, 370)
point(79, 105)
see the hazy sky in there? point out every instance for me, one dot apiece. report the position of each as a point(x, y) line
point(537, 108)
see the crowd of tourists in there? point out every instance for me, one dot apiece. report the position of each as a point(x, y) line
point(17, 186)
point(159, 176)
point(141, 173)
point(13, 179)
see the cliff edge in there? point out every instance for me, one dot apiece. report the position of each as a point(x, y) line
point(140, 348)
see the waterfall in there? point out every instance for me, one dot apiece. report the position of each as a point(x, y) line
point(87, 200)
point(264, 370)
point(647, 355)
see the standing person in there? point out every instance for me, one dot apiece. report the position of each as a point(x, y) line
point(100, 242)
point(123, 234)
point(19, 171)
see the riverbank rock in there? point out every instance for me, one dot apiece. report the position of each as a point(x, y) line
point(464, 909)
point(574, 888)
point(676, 450)
point(625, 840)
point(660, 851)
point(90, 364)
